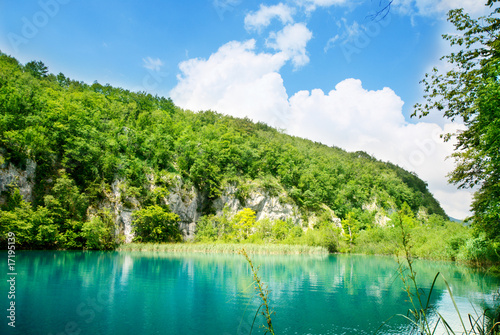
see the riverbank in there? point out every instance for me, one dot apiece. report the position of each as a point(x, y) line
point(273, 249)
point(266, 249)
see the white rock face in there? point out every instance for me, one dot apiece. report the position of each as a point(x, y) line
point(271, 207)
point(227, 199)
point(124, 220)
point(187, 204)
point(381, 219)
point(182, 202)
point(263, 204)
point(123, 207)
point(23, 179)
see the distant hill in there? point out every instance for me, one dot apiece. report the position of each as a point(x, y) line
point(80, 147)
point(465, 223)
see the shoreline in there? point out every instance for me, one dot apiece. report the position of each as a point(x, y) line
point(229, 248)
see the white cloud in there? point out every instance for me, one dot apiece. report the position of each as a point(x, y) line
point(455, 203)
point(292, 41)
point(262, 18)
point(357, 119)
point(237, 80)
point(311, 5)
point(350, 33)
point(439, 7)
point(350, 113)
point(331, 42)
point(152, 64)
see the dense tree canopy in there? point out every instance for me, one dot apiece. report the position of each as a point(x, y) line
point(84, 138)
point(469, 93)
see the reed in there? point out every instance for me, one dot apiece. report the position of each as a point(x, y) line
point(422, 316)
point(230, 248)
point(263, 293)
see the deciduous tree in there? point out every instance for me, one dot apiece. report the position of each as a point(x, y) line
point(470, 93)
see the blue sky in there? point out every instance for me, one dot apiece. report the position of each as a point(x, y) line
point(321, 69)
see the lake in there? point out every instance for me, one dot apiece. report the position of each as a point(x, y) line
point(64, 292)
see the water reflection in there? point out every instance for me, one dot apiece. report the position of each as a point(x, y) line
point(159, 293)
point(126, 267)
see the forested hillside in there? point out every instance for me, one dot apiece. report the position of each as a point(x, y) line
point(79, 139)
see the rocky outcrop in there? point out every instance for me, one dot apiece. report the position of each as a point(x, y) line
point(185, 202)
point(23, 179)
point(381, 218)
point(261, 202)
point(183, 199)
point(313, 219)
point(335, 220)
point(122, 206)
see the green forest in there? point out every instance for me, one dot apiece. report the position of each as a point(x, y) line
point(81, 138)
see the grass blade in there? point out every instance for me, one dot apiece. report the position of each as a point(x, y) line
point(430, 291)
point(447, 326)
point(454, 303)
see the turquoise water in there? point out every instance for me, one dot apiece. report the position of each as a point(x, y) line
point(150, 293)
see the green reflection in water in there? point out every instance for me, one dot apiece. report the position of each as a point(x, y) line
point(157, 293)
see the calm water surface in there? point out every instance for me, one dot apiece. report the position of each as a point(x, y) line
point(150, 293)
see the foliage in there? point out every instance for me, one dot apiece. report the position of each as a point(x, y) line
point(245, 229)
point(18, 220)
point(99, 231)
point(436, 238)
point(243, 222)
point(281, 229)
point(156, 224)
point(351, 227)
point(86, 139)
point(422, 316)
point(44, 227)
point(478, 250)
point(433, 238)
point(469, 93)
point(206, 229)
point(36, 69)
point(66, 202)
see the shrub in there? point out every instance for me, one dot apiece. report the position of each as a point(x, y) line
point(264, 230)
point(17, 221)
point(281, 229)
point(156, 224)
point(243, 222)
point(98, 232)
point(326, 237)
point(479, 250)
point(206, 229)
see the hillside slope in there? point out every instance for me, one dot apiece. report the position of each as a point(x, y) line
point(79, 152)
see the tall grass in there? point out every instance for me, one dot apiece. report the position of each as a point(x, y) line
point(422, 316)
point(270, 249)
point(263, 295)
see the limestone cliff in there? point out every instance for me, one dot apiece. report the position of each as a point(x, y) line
point(183, 199)
point(24, 179)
